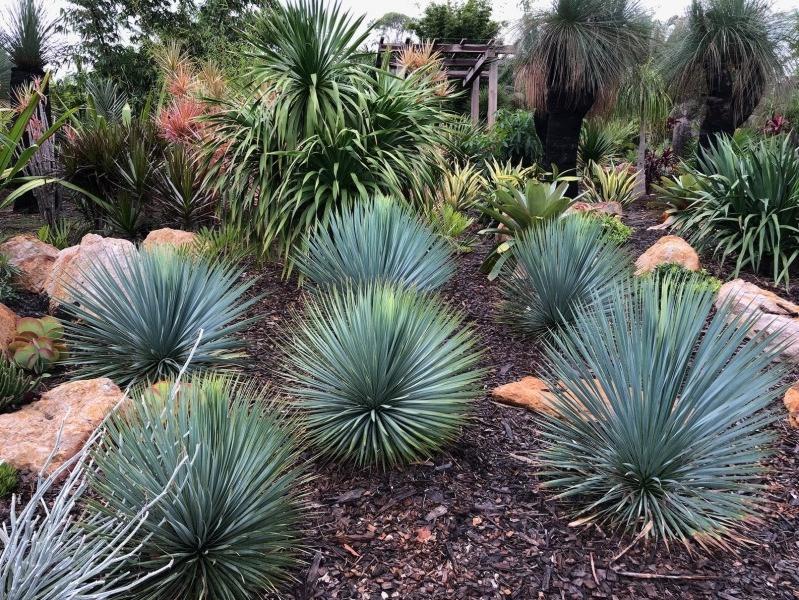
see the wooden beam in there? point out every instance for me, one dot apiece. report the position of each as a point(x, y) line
point(493, 87)
point(475, 70)
point(476, 100)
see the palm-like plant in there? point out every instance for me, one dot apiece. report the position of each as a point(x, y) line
point(515, 210)
point(183, 194)
point(564, 265)
point(228, 527)
point(29, 36)
point(573, 58)
point(726, 52)
point(143, 313)
point(663, 414)
point(377, 241)
point(383, 376)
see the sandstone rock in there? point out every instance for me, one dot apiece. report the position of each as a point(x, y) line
point(73, 264)
point(791, 401)
point(8, 327)
point(33, 258)
point(668, 249)
point(772, 313)
point(28, 435)
point(607, 208)
point(529, 392)
point(168, 237)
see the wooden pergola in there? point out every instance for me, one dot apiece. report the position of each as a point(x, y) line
point(465, 63)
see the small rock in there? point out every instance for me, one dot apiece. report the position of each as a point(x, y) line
point(607, 208)
point(791, 401)
point(530, 393)
point(772, 313)
point(8, 327)
point(28, 435)
point(33, 258)
point(668, 249)
point(72, 267)
point(168, 237)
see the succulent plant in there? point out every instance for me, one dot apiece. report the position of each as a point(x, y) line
point(15, 384)
point(38, 343)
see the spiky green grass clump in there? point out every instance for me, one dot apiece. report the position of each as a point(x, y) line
point(379, 240)
point(142, 316)
point(226, 462)
point(15, 384)
point(383, 376)
point(563, 266)
point(9, 477)
point(664, 414)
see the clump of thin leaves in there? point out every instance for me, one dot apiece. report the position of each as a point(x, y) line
point(383, 376)
point(663, 411)
point(745, 205)
point(562, 266)
point(230, 527)
point(139, 318)
point(55, 549)
point(380, 240)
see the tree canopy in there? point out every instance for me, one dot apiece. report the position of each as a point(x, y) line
point(470, 20)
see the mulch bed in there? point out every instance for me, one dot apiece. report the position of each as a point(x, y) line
point(473, 522)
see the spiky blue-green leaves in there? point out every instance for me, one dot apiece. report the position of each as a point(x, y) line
point(383, 376)
point(143, 313)
point(562, 266)
point(379, 240)
point(228, 525)
point(664, 410)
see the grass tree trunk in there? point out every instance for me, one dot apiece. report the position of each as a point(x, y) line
point(565, 116)
point(726, 110)
point(640, 162)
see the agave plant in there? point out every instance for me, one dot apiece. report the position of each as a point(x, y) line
point(746, 205)
point(144, 313)
point(516, 210)
point(230, 529)
point(563, 266)
point(663, 411)
point(383, 376)
point(377, 241)
point(616, 183)
point(16, 385)
point(38, 343)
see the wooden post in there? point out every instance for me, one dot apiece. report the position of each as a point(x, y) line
point(476, 100)
point(493, 85)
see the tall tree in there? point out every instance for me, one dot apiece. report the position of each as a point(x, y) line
point(573, 58)
point(470, 20)
point(725, 53)
point(394, 27)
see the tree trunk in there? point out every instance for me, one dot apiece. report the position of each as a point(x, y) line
point(565, 114)
point(640, 183)
point(724, 112)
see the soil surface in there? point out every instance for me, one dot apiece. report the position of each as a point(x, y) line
point(473, 522)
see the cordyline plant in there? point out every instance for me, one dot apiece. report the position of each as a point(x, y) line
point(383, 376)
point(380, 240)
point(663, 414)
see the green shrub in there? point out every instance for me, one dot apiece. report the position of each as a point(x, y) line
point(229, 242)
point(563, 266)
point(142, 316)
point(615, 229)
point(746, 205)
point(677, 272)
point(61, 234)
point(452, 225)
point(516, 138)
point(663, 411)
point(9, 478)
point(377, 241)
point(227, 525)
point(15, 384)
point(384, 376)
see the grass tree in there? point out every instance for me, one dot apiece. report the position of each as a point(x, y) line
point(726, 52)
point(573, 59)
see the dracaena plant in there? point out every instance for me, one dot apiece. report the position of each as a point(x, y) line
point(382, 376)
point(380, 240)
point(664, 410)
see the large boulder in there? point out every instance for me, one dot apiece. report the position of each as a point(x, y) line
point(791, 401)
point(8, 327)
point(174, 238)
point(29, 435)
point(72, 267)
point(603, 208)
point(771, 314)
point(668, 249)
point(33, 258)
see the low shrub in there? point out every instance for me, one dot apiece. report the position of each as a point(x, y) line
point(229, 243)
point(62, 233)
point(452, 225)
point(16, 385)
point(615, 183)
point(379, 240)
point(383, 376)
point(663, 413)
point(8, 273)
point(615, 229)
point(516, 138)
point(677, 272)
point(563, 266)
point(142, 316)
point(9, 478)
point(224, 462)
